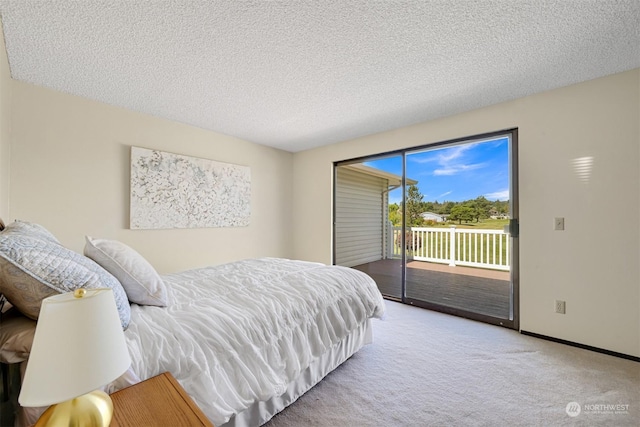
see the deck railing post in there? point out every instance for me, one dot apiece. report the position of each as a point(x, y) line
point(390, 239)
point(452, 246)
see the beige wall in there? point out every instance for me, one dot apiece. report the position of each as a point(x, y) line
point(70, 166)
point(593, 264)
point(5, 129)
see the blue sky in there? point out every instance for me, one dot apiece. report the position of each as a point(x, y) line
point(457, 173)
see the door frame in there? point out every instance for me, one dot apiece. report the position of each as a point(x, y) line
point(514, 321)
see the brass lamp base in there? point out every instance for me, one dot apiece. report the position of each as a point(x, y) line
point(89, 410)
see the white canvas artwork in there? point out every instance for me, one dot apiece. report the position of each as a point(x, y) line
point(174, 191)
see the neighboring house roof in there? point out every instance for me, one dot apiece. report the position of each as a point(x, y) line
point(431, 215)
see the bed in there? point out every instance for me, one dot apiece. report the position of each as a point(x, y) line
point(244, 339)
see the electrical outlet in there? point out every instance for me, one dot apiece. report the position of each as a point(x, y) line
point(561, 306)
point(558, 223)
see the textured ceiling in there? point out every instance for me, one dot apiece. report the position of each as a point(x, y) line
point(300, 74)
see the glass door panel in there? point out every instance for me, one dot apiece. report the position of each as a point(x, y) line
point(367, 220)
point(458, 253)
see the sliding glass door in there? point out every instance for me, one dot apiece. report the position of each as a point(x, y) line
point(435, 226)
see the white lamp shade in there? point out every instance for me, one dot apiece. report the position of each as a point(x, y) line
point(78, 347)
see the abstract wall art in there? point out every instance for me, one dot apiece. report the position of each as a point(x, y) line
point(174, 191)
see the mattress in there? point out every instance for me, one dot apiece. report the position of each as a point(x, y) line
point(242, 333)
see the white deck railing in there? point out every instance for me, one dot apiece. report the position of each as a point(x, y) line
point(453, 246)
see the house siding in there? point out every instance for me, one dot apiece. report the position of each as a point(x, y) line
point(359, 217)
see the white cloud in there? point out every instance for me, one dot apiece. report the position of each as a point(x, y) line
point(444, 194)
point(422, 160)
point(498, 195)
point(457, 168)
point(452, 161)
point(443, 156)
point(454, 153)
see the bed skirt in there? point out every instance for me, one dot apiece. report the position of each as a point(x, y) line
point(261, 412)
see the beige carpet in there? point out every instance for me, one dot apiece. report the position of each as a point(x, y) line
point(430, 369)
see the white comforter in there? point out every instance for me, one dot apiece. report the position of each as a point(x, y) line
point(238, 333)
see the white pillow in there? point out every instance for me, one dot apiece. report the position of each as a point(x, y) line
point(139, 279)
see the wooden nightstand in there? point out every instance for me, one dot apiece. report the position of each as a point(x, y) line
point(158, 401)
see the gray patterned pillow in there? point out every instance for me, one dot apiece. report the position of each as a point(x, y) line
point(33, 267)
point(30, 229)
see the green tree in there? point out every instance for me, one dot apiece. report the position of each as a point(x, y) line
point(481, 206)
point(462, 212)
point(446, 207)
point(395, 214)
point(414, 206)
point(501, 207)
point(428, 207)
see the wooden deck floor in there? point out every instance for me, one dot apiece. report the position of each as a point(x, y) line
point(470, 289)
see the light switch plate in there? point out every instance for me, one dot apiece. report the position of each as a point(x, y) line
point(558, 224)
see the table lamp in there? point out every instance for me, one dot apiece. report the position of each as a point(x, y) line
point(78, 348)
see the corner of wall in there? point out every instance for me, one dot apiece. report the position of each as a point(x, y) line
point(5, 129)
